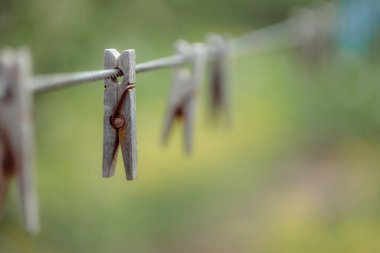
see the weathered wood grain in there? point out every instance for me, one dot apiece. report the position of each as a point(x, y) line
point(120, 106)
point(110, 134)
point(128, 133)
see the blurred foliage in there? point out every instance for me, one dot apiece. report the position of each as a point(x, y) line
point(57, 31)
point(297, 171)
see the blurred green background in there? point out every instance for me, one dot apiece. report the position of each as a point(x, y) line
point(297, 172)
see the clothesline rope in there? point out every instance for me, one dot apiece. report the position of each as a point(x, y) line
point(47, 82)
point(262, 37)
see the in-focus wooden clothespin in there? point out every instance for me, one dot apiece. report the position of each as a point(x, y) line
point(16, 133)
point(219, 93)
point(120, 114)
point(185, 84)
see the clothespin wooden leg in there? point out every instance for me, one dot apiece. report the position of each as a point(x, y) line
point(26, 163)
point(2, 179)
point(189, 121)
point(110, 134)
point(127, 63)
point(170, 117)
point(199, 63)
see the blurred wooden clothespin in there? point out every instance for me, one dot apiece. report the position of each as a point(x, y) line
point(182, 102)
point(16, 133)
point(219, 93)
point(313, 29)
point(120, 114)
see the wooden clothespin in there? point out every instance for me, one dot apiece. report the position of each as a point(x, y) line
point(185, 85)
point(16, 133)
point(120, 114)
point(313, 29)
point(219, 94)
